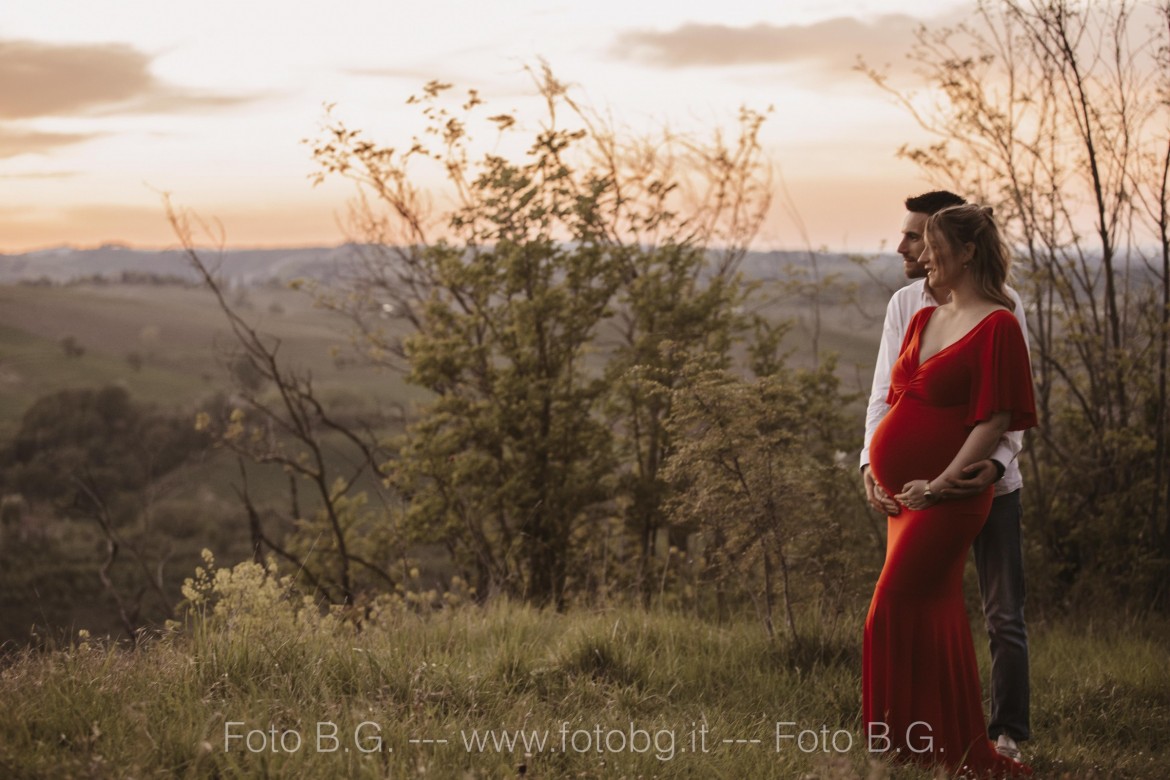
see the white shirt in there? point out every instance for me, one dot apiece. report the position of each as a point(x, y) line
point(903, 305)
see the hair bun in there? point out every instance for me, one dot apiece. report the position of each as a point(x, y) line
point(987, 211)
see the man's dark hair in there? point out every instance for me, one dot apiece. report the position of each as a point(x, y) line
point(931, 202)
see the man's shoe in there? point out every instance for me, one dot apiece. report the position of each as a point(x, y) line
point(1006, 746)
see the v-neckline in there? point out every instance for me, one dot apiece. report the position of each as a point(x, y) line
point(957, 341)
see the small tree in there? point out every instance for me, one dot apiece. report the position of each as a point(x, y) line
point(278, 419)
point(527, 305)
point(756, 472)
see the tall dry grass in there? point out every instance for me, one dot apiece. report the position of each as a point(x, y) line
point(257, 683)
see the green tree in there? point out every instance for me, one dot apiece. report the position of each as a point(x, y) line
point(509, 459)
point(682, 298)
point(528, 308)
point(757, 472)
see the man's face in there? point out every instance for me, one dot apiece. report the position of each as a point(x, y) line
point(912, 244)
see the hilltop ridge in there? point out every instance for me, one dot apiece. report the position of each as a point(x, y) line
point(261, 267)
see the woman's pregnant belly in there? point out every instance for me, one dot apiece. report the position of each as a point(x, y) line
point(915, 441)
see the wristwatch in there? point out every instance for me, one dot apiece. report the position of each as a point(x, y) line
point(927, 493)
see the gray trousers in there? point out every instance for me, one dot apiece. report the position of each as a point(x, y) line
point(1000, 564)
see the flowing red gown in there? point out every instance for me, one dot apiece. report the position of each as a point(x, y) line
point(921, 696)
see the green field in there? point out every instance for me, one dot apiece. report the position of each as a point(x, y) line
point(180, 334)
point(613, 693)
point(183, 340)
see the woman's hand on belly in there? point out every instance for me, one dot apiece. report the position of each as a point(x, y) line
point(916, 494)
point(877, 496)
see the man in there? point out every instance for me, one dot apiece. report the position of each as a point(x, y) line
point(998, 556)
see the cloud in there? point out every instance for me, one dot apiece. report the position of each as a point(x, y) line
point(42, 79)
point(830, 47)
point(17, 142)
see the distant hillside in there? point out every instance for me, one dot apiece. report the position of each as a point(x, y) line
point(257, 267)
point(241, 267)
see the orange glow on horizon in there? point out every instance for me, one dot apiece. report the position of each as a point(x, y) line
point(210, 103)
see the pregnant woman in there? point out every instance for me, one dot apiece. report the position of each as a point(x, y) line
point(962, 378)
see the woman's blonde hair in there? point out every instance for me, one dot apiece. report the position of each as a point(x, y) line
point(991, 262)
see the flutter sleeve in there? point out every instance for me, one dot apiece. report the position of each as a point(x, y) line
point(1001, 378)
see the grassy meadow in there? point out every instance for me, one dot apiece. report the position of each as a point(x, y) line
point(258, 686)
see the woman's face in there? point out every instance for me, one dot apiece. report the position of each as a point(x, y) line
point(944, 268)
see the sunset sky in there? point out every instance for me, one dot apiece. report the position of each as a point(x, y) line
point(106, 103)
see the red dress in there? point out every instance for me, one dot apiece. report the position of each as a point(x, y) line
point(921, 696)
